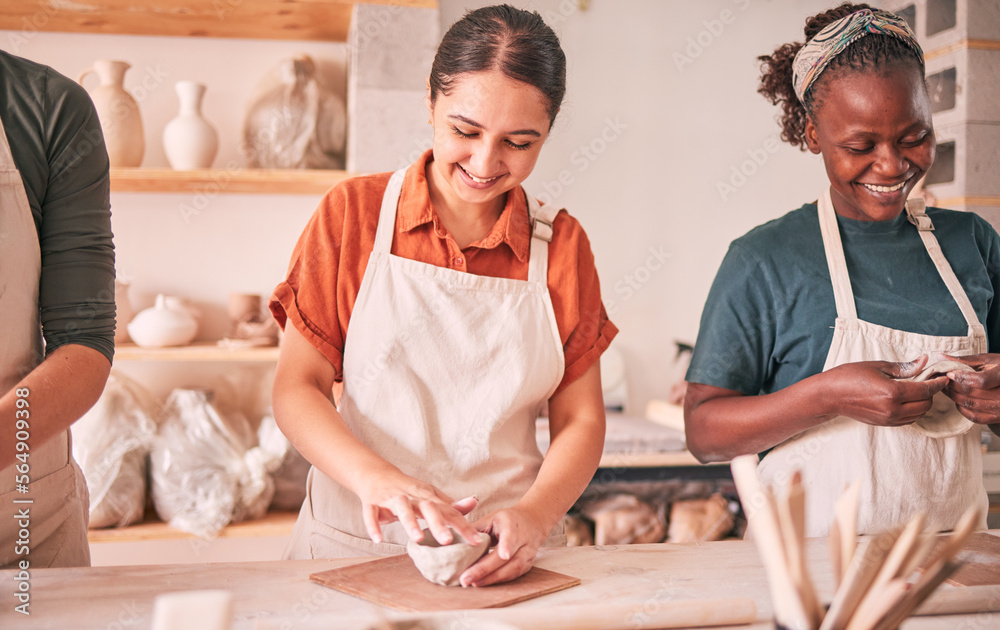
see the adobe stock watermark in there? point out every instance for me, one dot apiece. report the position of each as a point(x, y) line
point(628, 285)
point(30, 27)
point(376, 20)
point(562, 13)
point(582, 158)
point(740, 174)
point(713, 29)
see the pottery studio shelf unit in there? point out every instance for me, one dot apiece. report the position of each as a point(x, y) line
point(202, 352)
point(317, 20)
point(215, 181)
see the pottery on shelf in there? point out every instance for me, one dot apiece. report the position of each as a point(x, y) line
point(167, 323)
point(118, 112)
point(189, 140)
point(295, 120)
point(123, 311)
point(444, 564)
point(249, 325)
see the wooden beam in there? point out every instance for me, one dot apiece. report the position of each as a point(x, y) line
point(324, 20)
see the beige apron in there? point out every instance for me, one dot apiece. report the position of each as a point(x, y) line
point(445, 373)
point(59, 502)
point(902, 471)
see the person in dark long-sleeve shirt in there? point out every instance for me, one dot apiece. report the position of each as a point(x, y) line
point(57, 311)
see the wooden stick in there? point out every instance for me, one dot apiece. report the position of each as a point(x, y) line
point(917, 594)
point(791, 518)
point(858, 579)
point(846, 513)
point(941, 566)
point(966, 525)
point(833, 540)
point(921, 551)
point(880, 602)
point(901, 550)
point(763, 520)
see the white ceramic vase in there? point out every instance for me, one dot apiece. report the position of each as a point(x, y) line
point(189, 140)
point(118, 113)
point(123, 311)
point(167, 323)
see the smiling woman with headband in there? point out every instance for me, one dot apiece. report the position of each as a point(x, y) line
point(818, 322)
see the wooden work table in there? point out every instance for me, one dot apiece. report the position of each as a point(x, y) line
point(273, 595)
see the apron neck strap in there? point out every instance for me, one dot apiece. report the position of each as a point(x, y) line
point(835, 259)
point(387, 214)
point(542, 219)
point(915, 213)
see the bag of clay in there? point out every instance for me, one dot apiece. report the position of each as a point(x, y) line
point(292, 470)
point(296, 119)
point(205, 467)
point(110, 444)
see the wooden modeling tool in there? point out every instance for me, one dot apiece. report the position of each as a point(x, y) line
point(878, 583)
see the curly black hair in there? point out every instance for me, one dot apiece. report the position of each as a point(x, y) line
point(874, 53)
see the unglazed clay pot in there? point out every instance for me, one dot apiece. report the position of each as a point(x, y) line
point(165, 324)
point(444, 564)
point(118, 113)
point(189, 140)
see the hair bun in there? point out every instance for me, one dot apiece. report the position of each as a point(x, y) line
point(818, 22)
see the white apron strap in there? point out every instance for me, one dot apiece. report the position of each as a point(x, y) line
point(835, 259)
point(916, 213)
point(387, 214)
point(542, 219)
point(844, 296)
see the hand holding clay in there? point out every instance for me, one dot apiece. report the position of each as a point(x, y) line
point(392, 496)
point(519, 534)
point(444, 564)
point(940, 422)
point(880, 393)
point(977, 392)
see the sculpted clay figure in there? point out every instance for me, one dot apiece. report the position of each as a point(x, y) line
point(444, 564)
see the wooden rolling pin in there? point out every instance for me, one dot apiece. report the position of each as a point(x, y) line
point(698, 613)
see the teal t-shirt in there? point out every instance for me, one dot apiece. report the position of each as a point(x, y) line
point(768, 321)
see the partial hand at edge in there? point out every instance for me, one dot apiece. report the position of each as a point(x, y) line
point(977, 394)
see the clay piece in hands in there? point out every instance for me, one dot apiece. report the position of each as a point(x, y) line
point(444, 564)
point(942, 421)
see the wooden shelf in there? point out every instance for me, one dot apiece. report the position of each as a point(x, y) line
point(272, 524)
point(213, 182)
point(322, 20)
point(201, 352)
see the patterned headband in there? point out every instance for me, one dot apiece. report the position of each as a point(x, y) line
point(819, 51)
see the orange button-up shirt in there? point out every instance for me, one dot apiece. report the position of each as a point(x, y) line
point(330, 258)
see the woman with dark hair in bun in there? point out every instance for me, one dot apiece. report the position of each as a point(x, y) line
point(453, 308)
point(818, 322)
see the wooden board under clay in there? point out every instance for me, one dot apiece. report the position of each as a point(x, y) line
point(394, 582)
point(981, 561)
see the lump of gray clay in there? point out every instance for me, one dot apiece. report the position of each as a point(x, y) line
point(940, 421)
point(444, 564)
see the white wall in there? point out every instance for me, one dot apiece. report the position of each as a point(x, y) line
point(685, 125)
point(662, 136)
